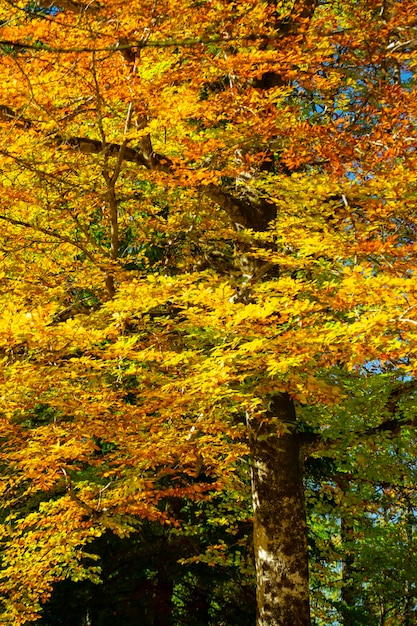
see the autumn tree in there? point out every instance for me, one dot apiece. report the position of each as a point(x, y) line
point(208, 220)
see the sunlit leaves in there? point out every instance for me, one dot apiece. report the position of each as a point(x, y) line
point(141, 317)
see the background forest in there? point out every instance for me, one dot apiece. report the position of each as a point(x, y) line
point(208, 312)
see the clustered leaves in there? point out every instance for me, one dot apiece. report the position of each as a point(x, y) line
point(201, 206)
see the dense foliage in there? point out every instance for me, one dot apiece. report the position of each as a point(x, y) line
point(208, 250)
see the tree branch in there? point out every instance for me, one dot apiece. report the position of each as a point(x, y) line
point(92, 7)
point(50, 233)
point(171, 42)
point(86, 145)
point(253, 213)
point(314, 442)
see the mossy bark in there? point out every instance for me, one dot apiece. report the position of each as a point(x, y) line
point(280, 529)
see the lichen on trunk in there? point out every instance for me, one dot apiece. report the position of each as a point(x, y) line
point(280, 529)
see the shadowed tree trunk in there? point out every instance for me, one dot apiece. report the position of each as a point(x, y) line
point(162, 606)
point(280, 529)
point(349, 593)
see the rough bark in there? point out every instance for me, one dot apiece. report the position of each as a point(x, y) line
point(280, 529)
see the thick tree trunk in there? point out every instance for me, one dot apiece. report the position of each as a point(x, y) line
point(280, 529)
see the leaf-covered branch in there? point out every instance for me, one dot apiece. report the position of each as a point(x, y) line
point(255, 214)
point(397, 421)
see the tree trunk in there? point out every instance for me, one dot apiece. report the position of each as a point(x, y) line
point(164, 589)
point(280, 529)
point(349, 592)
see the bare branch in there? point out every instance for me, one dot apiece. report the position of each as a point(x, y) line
point(94, 146)
point(50, 233)
point(92, 7)
point(120, 46)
